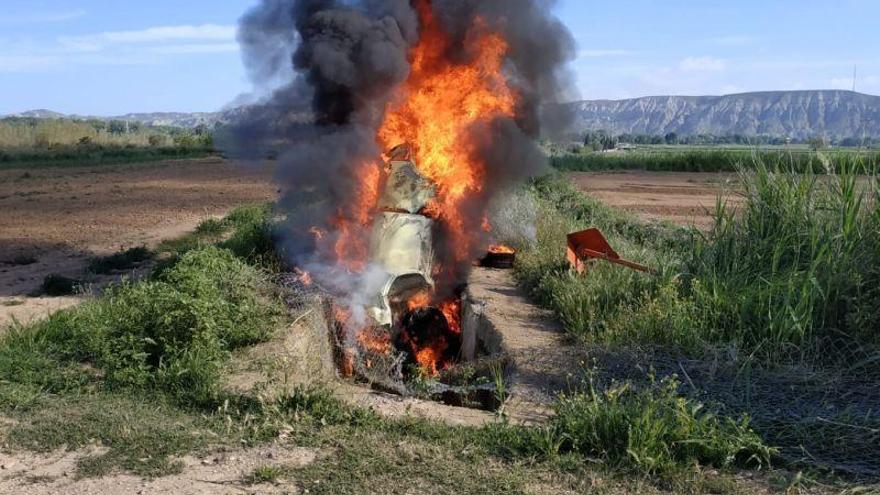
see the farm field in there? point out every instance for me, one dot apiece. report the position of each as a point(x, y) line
point(683, 198)
point(56, 219)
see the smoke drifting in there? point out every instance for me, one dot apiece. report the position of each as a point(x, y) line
point(344, 63)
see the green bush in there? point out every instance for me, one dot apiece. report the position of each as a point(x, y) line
point(798, 263)
point(55, 285)
point(120, 261)
point(171, 333)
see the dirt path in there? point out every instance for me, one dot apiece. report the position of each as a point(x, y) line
point(55, 219)
point(685, 198)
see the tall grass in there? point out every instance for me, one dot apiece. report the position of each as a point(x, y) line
point(795, 270)
point(714, 160)
point(652, 431)
point(790, 276)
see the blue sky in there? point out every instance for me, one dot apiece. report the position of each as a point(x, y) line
point(105, 57)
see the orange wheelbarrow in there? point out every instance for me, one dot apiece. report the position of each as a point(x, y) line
point(590, 244)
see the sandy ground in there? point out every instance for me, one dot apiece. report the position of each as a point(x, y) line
point(54, 219)
point(685, 198)
point(217, 473)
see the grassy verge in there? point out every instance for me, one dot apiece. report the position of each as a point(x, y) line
point(772, 309)
point(715, 160)
point(760, 281)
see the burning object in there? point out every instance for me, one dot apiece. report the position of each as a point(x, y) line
point(392, 237)
point(499, 256)
point(402, 240)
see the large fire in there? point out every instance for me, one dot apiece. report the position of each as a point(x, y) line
point(436, 109)
point(434, 112)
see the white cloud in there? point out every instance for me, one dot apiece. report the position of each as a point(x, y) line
point(141, 47)
point(40, 17)
point(153, 35)
point(702, 64)
point(603, 53)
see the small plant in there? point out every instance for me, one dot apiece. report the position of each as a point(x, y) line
point(264, 474)
point(56, 285)
point(120, 261)
point(211, 228)
point(655, 430)
point(500, 383)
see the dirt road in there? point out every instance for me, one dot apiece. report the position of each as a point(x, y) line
point(55, 219)
point(685, 198)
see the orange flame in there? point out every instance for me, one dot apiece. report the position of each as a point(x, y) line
point(352, 244)
point(436, 109)
point(451, 308)
point(375, 341)
point(303, 276)
point(429, 360)
point(420, 300)
point(501, 249)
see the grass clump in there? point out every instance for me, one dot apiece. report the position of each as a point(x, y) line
point(246, 231)
point(55, 285)
point(655, 430)
point(124, 260)
point(171, 333)
point(264, 474)
point(652, 431)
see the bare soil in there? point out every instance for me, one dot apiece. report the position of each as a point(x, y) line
point(684, 198)
point(217, 473)
point(55, 219)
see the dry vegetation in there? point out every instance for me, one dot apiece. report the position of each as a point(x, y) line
point(60, 142)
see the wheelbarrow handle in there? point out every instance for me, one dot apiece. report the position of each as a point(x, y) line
point(617, 261)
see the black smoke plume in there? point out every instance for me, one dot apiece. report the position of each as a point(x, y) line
point(341, 61)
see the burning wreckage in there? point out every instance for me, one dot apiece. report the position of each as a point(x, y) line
point(405, 315)
point(392, 237)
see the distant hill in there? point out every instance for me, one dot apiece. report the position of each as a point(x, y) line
point(41, 114)
point(794, 114)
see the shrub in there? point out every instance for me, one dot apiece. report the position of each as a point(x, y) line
point(120, 261)
point(55, 285)
point(171, 333)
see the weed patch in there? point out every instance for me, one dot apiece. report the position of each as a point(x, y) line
point(171, 333)
point(124, 260)
point(56, 285)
